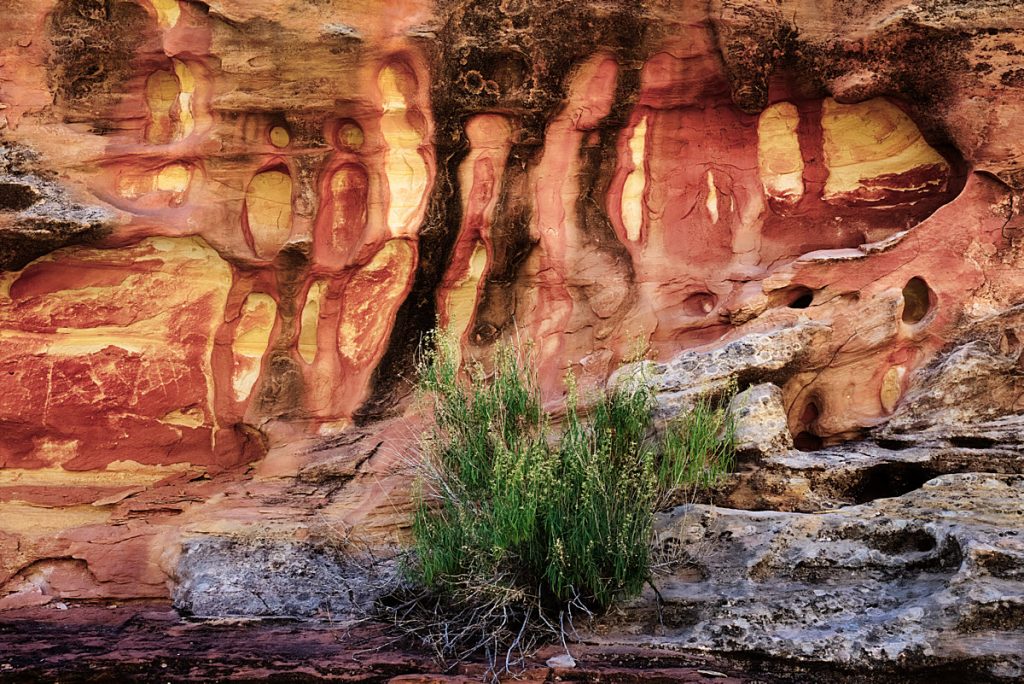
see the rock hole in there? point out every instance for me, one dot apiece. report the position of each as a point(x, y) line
point(677, 616)
point(268, 211)
point(17, 197)
point(893, 444)
point(345, 214)
point(951, 554)
point(1001, 616)
point(57, 577)
point(966, 442)
point(808, 441)
point(917, 301)
point(887, 480)
point(805, 440)
point(699, 304)
point(744, 383)
point(800, 298)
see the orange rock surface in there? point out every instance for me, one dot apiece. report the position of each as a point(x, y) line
point(225, 227)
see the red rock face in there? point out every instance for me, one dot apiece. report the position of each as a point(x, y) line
point(286, 248)
point(102, 356)
point(226, 225)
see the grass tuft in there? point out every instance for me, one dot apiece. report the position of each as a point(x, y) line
point(519, 527)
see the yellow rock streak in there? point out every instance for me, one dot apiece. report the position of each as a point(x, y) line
point(636, 183)
point(461, 301)
point(167, 12)
point(279, 137)
point(403, 165)
point(268, 203)
point(187, 84)
point(24, 519)
point(251, 340)
point(892, 388)
point(371, 298)
point(712, 200)
point(874, 138)
point(778, 153)
point(162, 91)
point(310, 321)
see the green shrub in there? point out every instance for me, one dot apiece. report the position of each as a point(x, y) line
point(698, 451)
point(514, 516)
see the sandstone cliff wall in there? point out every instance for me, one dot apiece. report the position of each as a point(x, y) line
point(225, 225)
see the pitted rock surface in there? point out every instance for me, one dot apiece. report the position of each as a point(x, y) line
point(277, 577)
point(930, 576)
point(760, 421)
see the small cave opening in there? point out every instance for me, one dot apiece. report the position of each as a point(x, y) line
point(893, 444)
point(800, 298)
point(17, 197)
point(917, 300)
point(485, 333)
point(805, 439)
point(278, 165)
point(887, 480)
